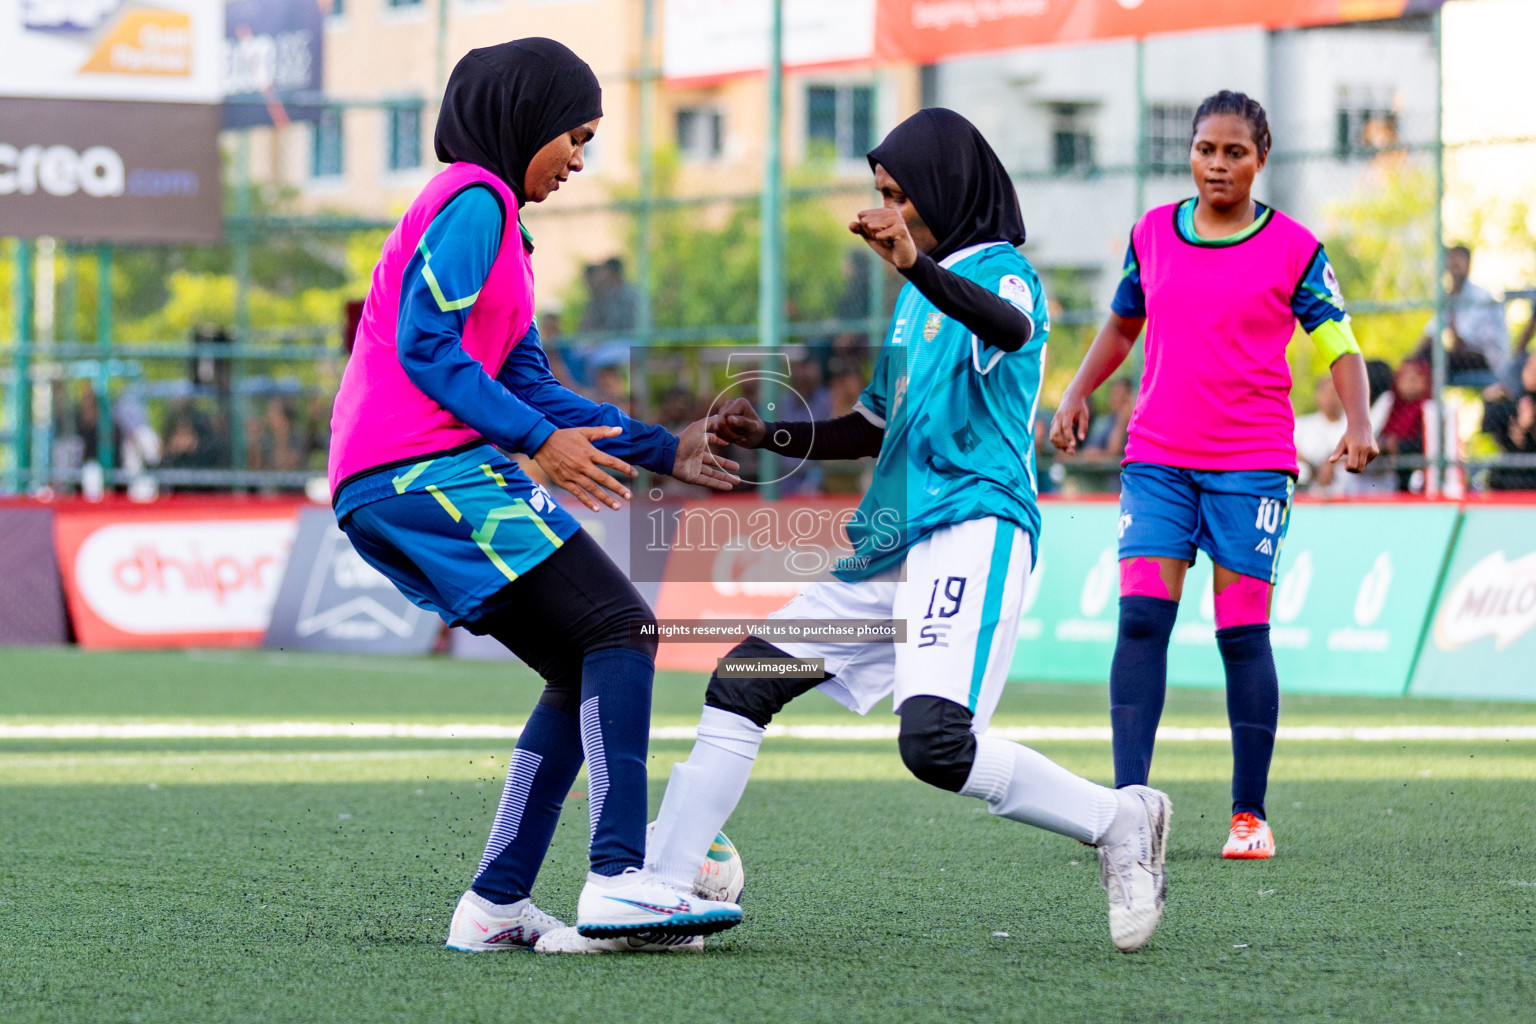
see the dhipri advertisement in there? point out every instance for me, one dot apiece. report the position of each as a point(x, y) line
point(174, 577)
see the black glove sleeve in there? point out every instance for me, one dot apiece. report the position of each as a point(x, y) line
point(847, 437)
point(992, 318)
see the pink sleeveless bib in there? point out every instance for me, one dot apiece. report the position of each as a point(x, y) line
point(380, 417)
point(1216, 390)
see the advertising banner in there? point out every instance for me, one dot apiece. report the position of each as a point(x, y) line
point(96, 171)
point(165, 50)
point(332, 600)
point(735, 560)
point(711, 39)
point(1481, 642)
point(273, 50)
point(31, 600)
point(926, 31)
point(180, 575)
point(1347, 615)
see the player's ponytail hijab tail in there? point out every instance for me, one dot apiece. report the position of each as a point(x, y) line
point(957, 183)
point(504, 102)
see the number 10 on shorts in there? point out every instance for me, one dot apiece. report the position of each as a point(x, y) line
point(1270, 511)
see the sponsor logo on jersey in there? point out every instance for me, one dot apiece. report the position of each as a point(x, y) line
point(1264, 547)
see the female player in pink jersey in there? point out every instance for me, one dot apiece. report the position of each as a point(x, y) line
point(1219, 281)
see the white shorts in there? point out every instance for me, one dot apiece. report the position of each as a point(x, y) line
point(960, 600)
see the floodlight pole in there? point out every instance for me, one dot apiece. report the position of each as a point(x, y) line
point(26, 328)
point(770, 277)
point(644, 314)
point(1435, 475)
point(103, 374)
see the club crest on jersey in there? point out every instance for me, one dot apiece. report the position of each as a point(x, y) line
point(932, 326)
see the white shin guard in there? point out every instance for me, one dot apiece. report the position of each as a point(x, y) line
point(1025, 785)
point(701, 794)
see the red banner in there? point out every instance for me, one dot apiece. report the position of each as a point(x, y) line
point(926, 31)
point(182, 574)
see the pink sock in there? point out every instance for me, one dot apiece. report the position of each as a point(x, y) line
point(1243, 603)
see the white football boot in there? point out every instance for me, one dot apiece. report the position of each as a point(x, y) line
point(569, 940)
point(1132, 869)
point(633, 903)
point(480, 926)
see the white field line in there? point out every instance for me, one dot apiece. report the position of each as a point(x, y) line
point(473, 731)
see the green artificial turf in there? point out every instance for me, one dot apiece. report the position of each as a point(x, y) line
point(311, 879)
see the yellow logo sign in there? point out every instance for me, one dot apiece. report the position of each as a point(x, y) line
point(145, 41)
point(931, 328)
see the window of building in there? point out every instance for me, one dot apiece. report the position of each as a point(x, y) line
point(404, 137)
point(1071, 138)
point(1168, 134)
point(326, 153)
point(1365, 121)
point(700, 133)
point(840, 120)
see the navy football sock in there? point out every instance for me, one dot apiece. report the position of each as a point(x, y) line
point(1253, 708)
point(615, 730)
point(539, 776)
point(1138, 682)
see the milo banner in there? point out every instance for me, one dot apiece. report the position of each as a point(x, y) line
point(1347, 615)
point(1481, 643)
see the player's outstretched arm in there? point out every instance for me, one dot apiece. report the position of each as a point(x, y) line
point(1358, 445)
point(1109, 349)
point(853, 436)
point(697, 460)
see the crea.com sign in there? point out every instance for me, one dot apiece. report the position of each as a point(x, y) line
point(166, 578)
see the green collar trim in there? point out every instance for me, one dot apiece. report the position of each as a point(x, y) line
point(1184, 225)
point(527, 235)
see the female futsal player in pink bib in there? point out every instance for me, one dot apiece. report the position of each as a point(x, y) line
point(1219, 281)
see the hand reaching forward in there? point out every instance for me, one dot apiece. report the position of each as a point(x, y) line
point(697, 462)
point(571, 461)
point(736, 422)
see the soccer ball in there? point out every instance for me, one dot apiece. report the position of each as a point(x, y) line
point(720, 877)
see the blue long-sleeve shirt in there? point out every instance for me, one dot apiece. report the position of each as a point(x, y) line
point(524, 403)
point(519, 408)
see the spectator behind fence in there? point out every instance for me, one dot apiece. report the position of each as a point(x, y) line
point(191, 442)
point(1511, 422)
point(1317, 435)
point(1403, 432)
point(272, 440)
point(1475, 330)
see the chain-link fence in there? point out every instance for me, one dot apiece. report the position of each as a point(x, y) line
point(154, 368)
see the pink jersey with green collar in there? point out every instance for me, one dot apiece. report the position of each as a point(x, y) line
point(1215, 392)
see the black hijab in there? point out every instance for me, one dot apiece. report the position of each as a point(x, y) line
point(954, 179)
point(504, 103)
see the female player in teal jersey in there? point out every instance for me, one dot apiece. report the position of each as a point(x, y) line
point(1219, 281)
point(943, 540)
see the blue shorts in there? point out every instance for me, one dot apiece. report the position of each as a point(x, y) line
point(1238, 518)
point(452, 531)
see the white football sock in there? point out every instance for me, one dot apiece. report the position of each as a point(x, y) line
point(701, 795)
point(1025, 785)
